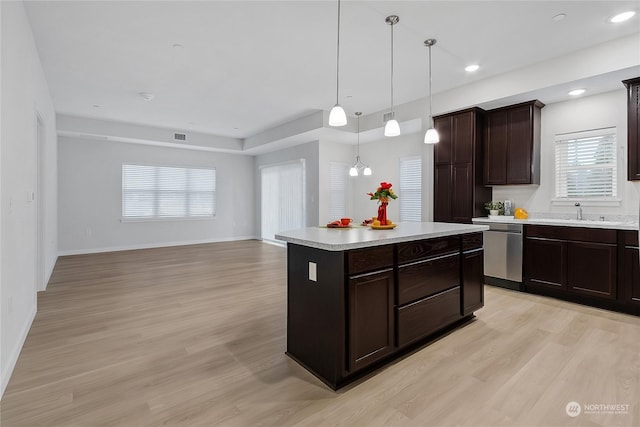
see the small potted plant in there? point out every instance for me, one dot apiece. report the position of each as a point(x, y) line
point(494, 207)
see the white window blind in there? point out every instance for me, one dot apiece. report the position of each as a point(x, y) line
point(586, 165)
point(410, 194)
point(282, 195)
point(158, 192)
point(339, 180)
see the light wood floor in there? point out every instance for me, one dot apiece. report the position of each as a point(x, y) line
point(195, 336)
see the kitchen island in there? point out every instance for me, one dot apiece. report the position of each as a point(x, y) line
point(358, 298)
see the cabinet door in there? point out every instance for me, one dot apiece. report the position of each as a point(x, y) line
point(463, 137)
point(630, 279)
point(591, 269)
point(472, 281)
point(633, 129)
point(371, 318)
point(442, 193)
point(462, 192)
point(495, 149)
point(442, 150)
point(545, 263)
point(520, 145)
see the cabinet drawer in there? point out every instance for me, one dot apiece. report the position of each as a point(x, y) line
point(629, 238)
point(419, 280)
point(423, 249)
point(426, 316)
point(369, 259)
point(578, 234)
point(471, 241)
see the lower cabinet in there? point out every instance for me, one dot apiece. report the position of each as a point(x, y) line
point(545, 263)
point(363, 307)
point(423, 317)
point(571, 261)
point(472, 280)
point(371, 318)
point(629, 270)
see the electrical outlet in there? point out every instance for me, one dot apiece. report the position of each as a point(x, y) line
point(313, 271)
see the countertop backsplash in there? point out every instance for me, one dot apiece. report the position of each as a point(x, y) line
point(586, 216)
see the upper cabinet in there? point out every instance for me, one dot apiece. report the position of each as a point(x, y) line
point(512, 145)
point(633, 128)
point(459, 194)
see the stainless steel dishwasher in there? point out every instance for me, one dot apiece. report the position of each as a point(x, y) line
point(503, 254)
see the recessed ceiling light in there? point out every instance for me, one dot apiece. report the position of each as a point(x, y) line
point(559, 17)
point(147, 96)
point(178, 46)
point(577, 92)
point(622, 16)
point(471, 68)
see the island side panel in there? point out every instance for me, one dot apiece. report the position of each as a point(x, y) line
point(316, 311)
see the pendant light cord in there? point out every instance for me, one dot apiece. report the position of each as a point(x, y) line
point(430, 109)
point(338, 57)
point(358, 155)
point(392, 67)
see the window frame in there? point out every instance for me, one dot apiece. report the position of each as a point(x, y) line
point(589, 200)
point(156, 218)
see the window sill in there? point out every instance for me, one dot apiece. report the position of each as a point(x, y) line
point(609, 201)
point(172, 219)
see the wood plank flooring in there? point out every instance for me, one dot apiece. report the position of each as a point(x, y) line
point(195, 336)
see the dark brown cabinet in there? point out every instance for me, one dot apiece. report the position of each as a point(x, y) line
point(629, 269)
point(512, 145)
point(366, 306)
point(472, 273)
point(571, 260)
point(459, 194)
point(633, 128)
point(371, 318)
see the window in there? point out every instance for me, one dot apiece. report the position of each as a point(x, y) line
point(586, 164)
point(410, 194)
point(158, 192)
point(282, 195)
point(339, 179)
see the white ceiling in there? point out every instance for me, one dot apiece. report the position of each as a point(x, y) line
point(247, 66)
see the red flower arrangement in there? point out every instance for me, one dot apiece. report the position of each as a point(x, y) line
point(383, 193)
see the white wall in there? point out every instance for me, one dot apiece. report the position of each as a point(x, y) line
point(384, 158)
point(90, 197)
point(24, 95)
point(589, 112)
point(310, 153)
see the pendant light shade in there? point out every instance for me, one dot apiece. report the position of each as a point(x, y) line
point(358, 166)
point(392, 127)
point(337, 116)
point(431, 137)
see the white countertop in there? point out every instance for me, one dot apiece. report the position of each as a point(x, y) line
point(617, 225)
point(340, 239)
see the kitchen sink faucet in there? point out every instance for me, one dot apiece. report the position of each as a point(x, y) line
point(579, 211)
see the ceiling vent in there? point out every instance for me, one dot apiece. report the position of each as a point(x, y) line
point(180, 137)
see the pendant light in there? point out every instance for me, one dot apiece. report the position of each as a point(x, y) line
point(431, 137)
point(358, 165)
point(337, 116)
point(392, 128)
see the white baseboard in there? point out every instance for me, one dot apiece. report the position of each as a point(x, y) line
point(15, 352)
point(152, 245)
